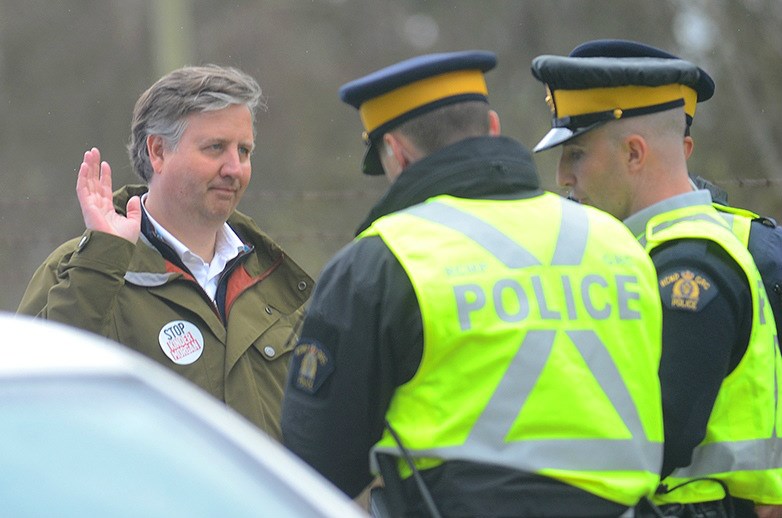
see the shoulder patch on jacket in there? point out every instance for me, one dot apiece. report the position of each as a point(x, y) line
point(686, 289)
point(311, 365)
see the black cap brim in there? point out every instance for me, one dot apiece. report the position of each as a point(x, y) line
point(557, 136)
point(371, 165)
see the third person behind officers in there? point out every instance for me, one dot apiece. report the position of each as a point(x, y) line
point(621, 123)
point(170, 268)
point(492, 347)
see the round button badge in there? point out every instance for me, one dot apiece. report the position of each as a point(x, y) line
point(181, 341)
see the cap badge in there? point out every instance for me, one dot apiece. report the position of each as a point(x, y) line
point(550, 100)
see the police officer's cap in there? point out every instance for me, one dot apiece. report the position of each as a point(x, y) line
point(613, 48)
point(400, 92)
point(606, 80)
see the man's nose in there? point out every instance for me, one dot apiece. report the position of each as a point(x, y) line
point(232, 164)
point(564, 178)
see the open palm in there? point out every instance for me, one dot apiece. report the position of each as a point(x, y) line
point(93, 189)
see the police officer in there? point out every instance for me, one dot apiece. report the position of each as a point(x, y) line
point(760, 234)
point(476, 331)
point(620, 122)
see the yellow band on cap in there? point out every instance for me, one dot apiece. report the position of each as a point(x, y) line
point(570, 103)
point(387, 107)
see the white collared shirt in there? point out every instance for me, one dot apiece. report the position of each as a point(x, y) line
point(227, 246)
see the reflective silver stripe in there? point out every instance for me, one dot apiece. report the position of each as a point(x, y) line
point(565, 454)
point(573, 236)
point(569, 250)
point(510, 253)
point(147, 279)
point(519, 381)
point(728, 217)
point(761, 290)
point(668, 224)
point(725, 457)
point(512, 392)
point(487, 440)
point(605, 371)
point(694, 217)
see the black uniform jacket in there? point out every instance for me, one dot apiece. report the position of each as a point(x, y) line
point(364, 317)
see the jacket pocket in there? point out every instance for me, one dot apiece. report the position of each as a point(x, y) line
point(278, 341)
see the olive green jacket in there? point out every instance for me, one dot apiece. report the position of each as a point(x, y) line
point(132, 294)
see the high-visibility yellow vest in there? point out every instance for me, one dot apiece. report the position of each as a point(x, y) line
point(766, 251)
point(739, 221)
point(742, 446)
point(542, 340)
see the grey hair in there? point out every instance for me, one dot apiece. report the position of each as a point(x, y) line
point(163, 109)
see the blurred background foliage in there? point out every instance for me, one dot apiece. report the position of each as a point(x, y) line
point(71, 71)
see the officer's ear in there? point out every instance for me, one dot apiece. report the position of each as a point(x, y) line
point(636, 151)
point(494, 123)
point(401, 149)
point(689, 145)
point(393, 158)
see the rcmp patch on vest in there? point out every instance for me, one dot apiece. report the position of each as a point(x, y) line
point(311, 365)
point(686, 290)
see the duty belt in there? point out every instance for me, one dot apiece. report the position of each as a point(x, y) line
point(714, 509)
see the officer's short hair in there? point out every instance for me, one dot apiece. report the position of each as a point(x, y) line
point(446, 125)
point(163, 108)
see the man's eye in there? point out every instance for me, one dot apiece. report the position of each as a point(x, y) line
point(246, 151)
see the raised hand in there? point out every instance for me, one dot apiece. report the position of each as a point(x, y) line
point(93, 189)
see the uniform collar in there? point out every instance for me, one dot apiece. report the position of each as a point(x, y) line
point(472, 168)
point(637, 222)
